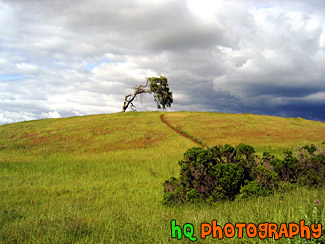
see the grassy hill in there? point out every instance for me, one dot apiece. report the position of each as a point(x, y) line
point(98, 179)
point(265, 133)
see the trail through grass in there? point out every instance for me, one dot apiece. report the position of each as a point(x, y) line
point(184, 134)
point(264, 133)
point(98, 179)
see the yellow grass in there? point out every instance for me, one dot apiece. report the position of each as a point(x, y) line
point(99, 179)
point(262, 132)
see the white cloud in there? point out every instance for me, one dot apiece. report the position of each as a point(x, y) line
point(319, 96)
point(51, 115)
point(24, 67)
point(280, 54)
point(10, 117)
point(238, 56)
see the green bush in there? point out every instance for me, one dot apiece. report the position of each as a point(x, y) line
point(311, 167)
point(253, 188)
point(267, 178)
point(223, 172)
point(286, 168)
point(211, 174)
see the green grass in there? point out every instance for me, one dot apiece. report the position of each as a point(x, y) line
point(98, 179)
point(264, 133)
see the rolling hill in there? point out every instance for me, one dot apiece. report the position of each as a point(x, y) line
point(98, 179)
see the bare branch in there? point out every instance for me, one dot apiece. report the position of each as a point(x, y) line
point(158, 86)
point(140, 89)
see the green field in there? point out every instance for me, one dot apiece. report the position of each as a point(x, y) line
point(99, 178)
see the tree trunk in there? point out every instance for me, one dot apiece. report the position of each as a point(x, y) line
point(127, 102)
point(129, 98)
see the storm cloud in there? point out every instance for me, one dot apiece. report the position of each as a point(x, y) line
point(71, 58)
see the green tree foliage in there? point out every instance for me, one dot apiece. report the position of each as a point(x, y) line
point(223, 172)
point(156, 85)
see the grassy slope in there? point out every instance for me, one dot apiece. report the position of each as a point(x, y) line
point(98, 179)
point(265, 133)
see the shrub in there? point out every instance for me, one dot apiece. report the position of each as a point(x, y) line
point(223, 172)
point(286, 168)
point(253, 188)
point(266, 178)
point(311, 167)
point(211, 174)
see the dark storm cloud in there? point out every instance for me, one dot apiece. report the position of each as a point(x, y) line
point(309, 110)
point(82, 57)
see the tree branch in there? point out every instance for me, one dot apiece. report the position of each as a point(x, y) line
point(140, 89)
point(156, 85)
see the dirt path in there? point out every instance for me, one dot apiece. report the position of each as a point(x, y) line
point(179, 132)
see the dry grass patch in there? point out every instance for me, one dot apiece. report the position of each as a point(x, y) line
point(256, 130)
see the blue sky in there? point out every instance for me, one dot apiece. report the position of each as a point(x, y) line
point(91, 66)
point(10, 77)
point(62, 58)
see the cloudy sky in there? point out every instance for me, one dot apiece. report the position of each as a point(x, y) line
point(78, 57)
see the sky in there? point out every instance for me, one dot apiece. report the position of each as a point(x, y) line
point(78, 57)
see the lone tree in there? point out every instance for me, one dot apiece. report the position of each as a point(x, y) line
point(156, 85)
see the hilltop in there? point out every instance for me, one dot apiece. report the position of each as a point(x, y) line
point(98, 179)
point(143, 130)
